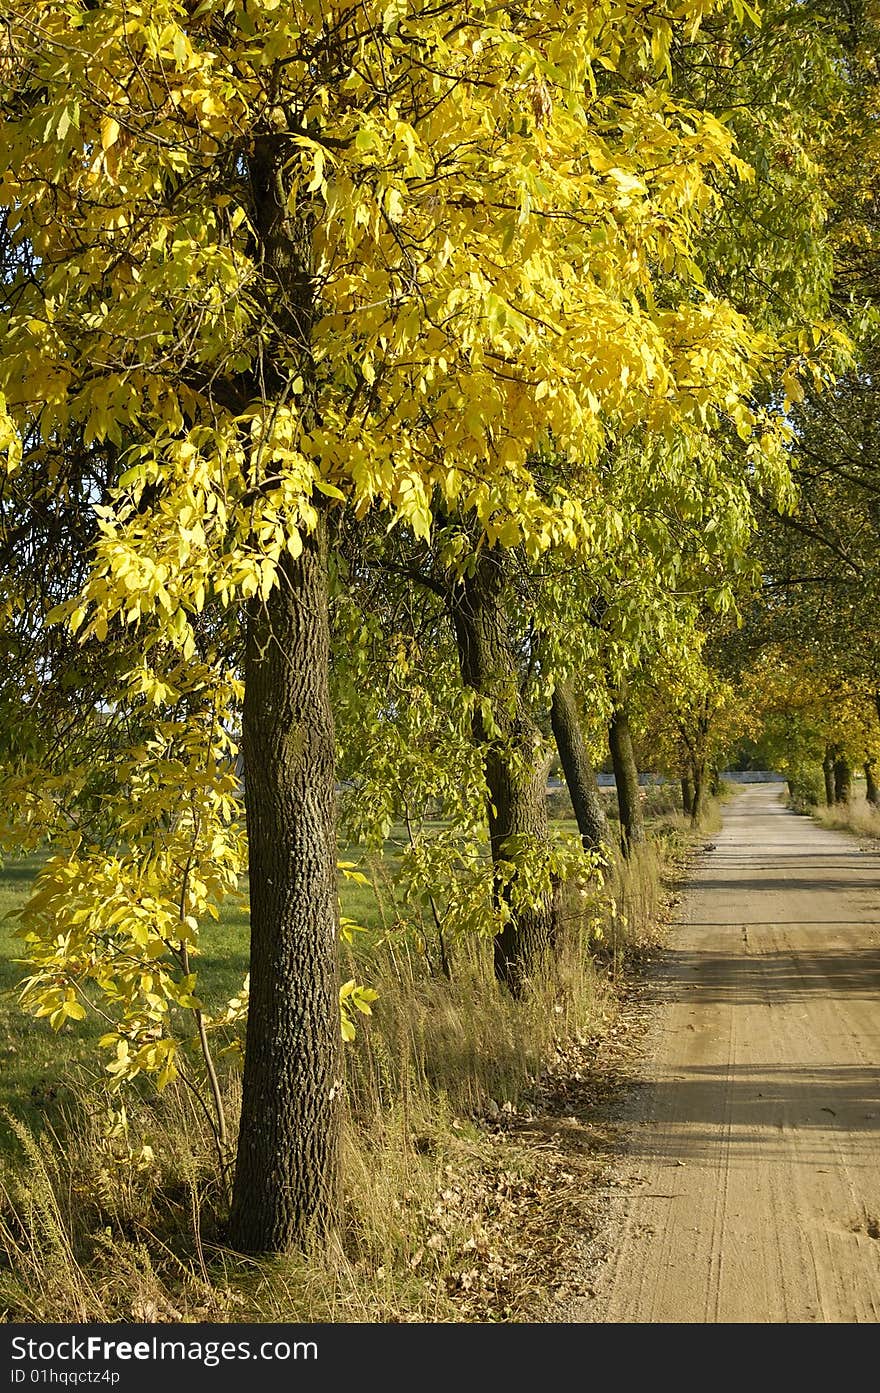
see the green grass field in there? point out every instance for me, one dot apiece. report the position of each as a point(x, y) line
point(39, 1065)
point(32, 1057)
point(90, 1230)
point(36, 1064)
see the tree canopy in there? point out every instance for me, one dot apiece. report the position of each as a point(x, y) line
point(373, 378)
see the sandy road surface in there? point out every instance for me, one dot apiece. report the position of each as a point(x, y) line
point(750, 1189)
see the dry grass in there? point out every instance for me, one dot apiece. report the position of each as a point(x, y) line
point(434, 1199)
point(857, 817)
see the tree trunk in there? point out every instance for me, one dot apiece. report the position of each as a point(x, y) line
point(842, 779)
point(626, 776)
point(687, 794)
point(286, 1173)
point(828, 771)
point(579, 773)
point(698, 775)
point(516, 769)
point(871, 791)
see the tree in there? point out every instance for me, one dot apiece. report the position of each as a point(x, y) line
point(810, 719)
point(817, 607)
point(580, 776)
point(289, 262)
point(694, 713)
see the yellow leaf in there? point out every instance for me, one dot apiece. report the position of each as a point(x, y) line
point(317, 178)
point(109, 132)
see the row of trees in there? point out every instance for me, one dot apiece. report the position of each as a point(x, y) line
point(386, 388)
point(814, 621)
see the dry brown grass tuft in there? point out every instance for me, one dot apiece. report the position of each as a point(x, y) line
point(857, 817)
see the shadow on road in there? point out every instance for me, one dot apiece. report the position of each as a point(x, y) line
point(708, 1102)
point(769, 978)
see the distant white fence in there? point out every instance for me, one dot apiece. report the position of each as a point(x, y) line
point(752, 776)
point(730, 776)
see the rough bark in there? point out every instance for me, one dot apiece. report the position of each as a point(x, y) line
point(626, 776)
point(579, 773)
point(284, 1192)
point(871, 789)
point(286, 1175)
point(687, 794)
point(828, 772)
point(514, 761)
point(698, 776)
point(842, 779)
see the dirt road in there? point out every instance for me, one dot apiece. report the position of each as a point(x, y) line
point(750, 1187)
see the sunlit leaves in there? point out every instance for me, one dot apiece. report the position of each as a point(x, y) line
point(415, 260)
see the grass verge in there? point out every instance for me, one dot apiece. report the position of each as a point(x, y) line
point(461, 1178)
point(857, 817)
